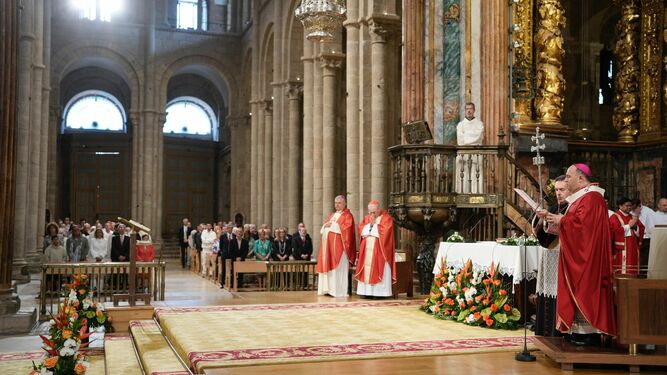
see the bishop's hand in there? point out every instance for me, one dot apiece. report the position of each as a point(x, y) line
point(554, 218)
point(541, 213)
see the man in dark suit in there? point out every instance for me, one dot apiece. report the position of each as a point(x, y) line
point(302, 249)
point(120, 245)
point(237, 249)
point(183, 234)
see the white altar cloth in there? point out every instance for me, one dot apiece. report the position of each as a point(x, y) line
point(509, 259)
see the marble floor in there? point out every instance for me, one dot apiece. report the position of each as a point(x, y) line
point(183, 288)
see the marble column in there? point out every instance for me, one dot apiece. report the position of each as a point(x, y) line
point(22, 214)
point(331, 64)
point(268, 154)
point(380, 29)
point(493, 109)
point(12, 320)
point(352, 108)
point(308, 150)
point(317, 152)
point(294, 92)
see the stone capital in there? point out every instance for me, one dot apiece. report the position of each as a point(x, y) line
point(134, 117)
point(331, 62)
point(268, 105)
point(294, 90)
point(383, 26)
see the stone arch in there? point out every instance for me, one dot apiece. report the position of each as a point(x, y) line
point(80, 56)
point(294, 35)
point(266, 63)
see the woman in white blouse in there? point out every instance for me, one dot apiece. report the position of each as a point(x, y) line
point(99, 247)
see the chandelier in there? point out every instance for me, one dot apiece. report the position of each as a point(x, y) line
point(321, 18)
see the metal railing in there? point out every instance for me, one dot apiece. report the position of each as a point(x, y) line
point(106, 279)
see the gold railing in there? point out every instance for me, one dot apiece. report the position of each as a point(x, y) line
point(291, 275)
point(106, 279)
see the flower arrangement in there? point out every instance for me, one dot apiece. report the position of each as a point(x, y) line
point(456, 237)
point(531, 241)
point(79, 315)
point(473, 298)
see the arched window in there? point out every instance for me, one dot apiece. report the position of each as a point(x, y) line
point(94, 110)
point(191, 117)
point(100, 10)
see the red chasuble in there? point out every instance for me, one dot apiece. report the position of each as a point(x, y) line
point(332, 247)
point(625, 257)
point(585, 279)
point(383, 249)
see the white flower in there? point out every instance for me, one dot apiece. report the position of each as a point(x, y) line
point(470, 319)
point(44, 371)
point(52, 323)
point(459, 299)
point(450, 278)
point(474, 275)
point(72, 295)
point(470, 293)
point(443, 290)
point(86, 303)
point(67, 352)
point(452, 285)
point(69, 343)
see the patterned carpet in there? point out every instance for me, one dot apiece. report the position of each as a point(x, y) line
point(221, 336)
point(21, 363)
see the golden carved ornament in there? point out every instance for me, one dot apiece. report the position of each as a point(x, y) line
point(626, 82)
point(549, 46)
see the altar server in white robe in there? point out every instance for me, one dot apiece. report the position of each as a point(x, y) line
point(338, 249)
point(376, 267)
point(469, 132)
point(208, 238)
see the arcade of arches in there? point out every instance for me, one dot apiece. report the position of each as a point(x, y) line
point(293, 123)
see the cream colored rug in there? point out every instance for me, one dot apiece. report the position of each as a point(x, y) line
point(220, 336)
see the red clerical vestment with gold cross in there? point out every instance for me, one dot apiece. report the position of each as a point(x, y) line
point(585, 279)
point(625, 257)
point(376, 249)
point(337, 238)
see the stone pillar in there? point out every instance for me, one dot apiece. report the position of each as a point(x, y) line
point(259, 173)
point(22, 214)
point(352, 108)
point(45, 121)
point(380, 28)
point(254, 138)
point(278, 148)
point(268, 154)
point(317, 152)
point(52, 165)
point(331, 63)
point(11, 319)
point(294, 92)
point(495, 43)
point(308, 150)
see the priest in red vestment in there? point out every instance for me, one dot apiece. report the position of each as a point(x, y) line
point(338, 249)
point(585, 303)
point(627, 232)
point(376, 268)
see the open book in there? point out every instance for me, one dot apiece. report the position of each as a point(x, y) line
point(527, 198)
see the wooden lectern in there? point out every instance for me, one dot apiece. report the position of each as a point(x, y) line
point(132, 296)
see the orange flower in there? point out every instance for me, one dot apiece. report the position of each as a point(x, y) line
point(80, 368)
point(469, 303)
point(51, 362)
point(75, 303)
point(473, 308)
point(486, 281)
point(485, 317)
point(82, 291)
point(453, 313)
point(489, 322)
point(496, 282)
point(477, 315)
point(98, 313)
point(462, 305)
point(447, 311)
point(437, 309)
point(75, 315)
point(84, 321)
point(109, 318)
point(507, 307)
point(494, 307)
point(478, 299)
point(503, 292)
point(67, 334)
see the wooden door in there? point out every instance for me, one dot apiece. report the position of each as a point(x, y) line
point(99, 185)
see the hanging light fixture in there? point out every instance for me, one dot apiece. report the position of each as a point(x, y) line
point(321, 18)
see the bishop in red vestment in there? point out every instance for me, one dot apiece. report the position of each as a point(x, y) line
point(338, 249)
point(627, 232)
point(585, 303)
point(376, 268)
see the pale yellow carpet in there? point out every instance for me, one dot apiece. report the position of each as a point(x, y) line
point(154, 351)
point(119, 355)
point(210, 337)
point(21, 363)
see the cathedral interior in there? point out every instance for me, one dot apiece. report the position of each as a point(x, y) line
point(238, 110)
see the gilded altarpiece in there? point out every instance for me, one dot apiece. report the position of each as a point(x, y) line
point(652, 24)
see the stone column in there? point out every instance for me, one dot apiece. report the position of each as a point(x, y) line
point(11, 319)
point(268, 154)
point(352, 107)
point(294, 148)
point(380, 30)
point(52, 165)
point(254, 137)
point(45, 146)
point(331, 63)
point(22, 215)
point(308, 150)
point(317, 152)
point(495, 43)
point(259, 173)
point(276, 160)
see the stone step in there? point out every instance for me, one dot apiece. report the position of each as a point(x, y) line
point(154, 352)
point(119, 356)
